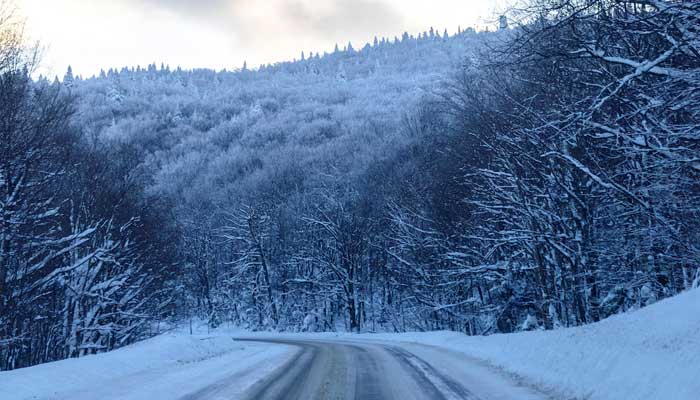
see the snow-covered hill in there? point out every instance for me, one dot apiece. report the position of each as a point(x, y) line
point(238, 128)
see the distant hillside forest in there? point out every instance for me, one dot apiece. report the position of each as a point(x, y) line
point(540, 176)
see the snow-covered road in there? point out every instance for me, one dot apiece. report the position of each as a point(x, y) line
point(360, 369)
point(650, 354)
point(264, 366)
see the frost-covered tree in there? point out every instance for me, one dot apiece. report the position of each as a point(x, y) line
point(80, 265)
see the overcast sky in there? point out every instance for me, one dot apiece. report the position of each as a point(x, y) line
point(95, 34)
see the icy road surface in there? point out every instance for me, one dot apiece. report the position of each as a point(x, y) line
point(324, 369)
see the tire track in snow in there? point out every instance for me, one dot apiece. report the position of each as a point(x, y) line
point(443, 386)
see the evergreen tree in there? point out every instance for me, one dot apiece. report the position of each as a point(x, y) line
point(68, 78)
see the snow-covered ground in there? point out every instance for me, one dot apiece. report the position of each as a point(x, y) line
point(165, 367)
point(653, 353)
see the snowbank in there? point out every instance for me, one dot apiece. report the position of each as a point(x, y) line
point(165, 367)
point(652, 353)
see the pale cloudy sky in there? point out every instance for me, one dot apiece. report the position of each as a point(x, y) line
point(95, 34)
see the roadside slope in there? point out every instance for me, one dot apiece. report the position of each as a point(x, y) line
point(165, 367)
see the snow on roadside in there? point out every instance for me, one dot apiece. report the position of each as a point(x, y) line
point(648, 354)
point(165, 367)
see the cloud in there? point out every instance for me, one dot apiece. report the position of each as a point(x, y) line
point(257, 22)
point(201, 8)
point(341, 16)
point(224, 33)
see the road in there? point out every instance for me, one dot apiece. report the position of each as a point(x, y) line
point(329, 370)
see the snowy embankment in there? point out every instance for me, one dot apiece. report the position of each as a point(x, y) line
point(648, 354)
point(165, 367)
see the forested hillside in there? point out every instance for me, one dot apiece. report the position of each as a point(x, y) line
point(255, 161)
point(539, 176)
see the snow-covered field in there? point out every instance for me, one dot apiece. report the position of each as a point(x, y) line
point(653, 353)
